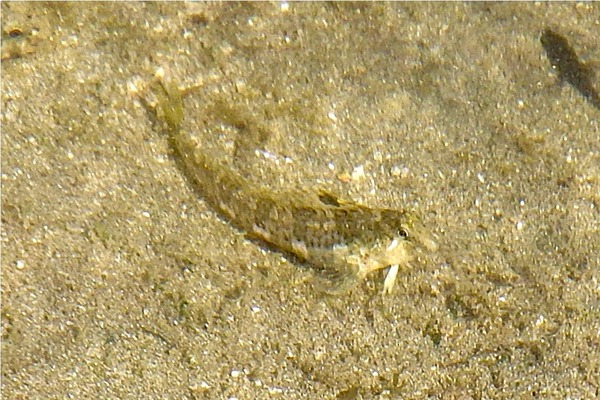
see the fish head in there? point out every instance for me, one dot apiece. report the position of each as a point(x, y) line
point(394, 247)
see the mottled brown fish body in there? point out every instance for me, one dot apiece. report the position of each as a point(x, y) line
point(295, 222)
point(342, 238)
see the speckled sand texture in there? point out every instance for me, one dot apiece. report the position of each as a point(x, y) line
point(118, 281)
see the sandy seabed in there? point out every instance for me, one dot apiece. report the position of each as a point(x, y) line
point(118, 281)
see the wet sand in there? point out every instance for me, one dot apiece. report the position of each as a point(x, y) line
point(118, 281)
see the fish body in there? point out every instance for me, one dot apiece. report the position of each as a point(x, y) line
point(344, 239)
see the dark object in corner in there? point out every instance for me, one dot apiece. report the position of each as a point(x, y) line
point(568, 67)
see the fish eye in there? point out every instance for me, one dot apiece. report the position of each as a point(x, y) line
point(15, 33)
point(403, 233)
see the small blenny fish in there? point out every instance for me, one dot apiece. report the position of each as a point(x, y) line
point(345, 240)
point(565, 62)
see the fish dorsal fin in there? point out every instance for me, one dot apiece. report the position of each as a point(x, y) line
point(332, 199)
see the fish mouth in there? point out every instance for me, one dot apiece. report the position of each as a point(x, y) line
point(397, 254)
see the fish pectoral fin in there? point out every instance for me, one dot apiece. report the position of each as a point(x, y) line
point(335, 281)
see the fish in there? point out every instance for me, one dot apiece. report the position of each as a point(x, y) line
point(568, 67)
point(344, 240)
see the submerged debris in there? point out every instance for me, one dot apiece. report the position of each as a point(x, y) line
point(565, 62)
